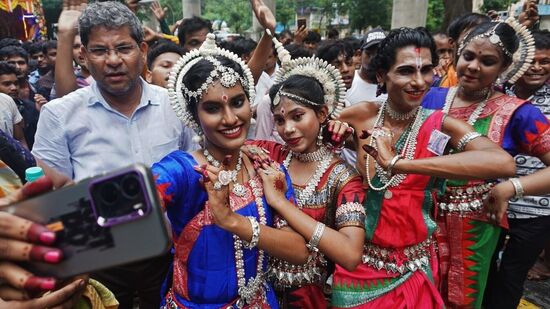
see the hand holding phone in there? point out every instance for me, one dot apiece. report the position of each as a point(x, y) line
point(100, 222)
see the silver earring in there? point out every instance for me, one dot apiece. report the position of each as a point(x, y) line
point(320, 136)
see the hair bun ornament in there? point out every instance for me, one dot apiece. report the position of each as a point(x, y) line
point(179, 94)
point(523, 57)
point(326, 74)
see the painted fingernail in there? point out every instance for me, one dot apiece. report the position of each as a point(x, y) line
point(34, 234)
point(53, 257)
point(39, 283)
point(82, 283)
point(364, 134)
point(47, 238)
point(41, 185)
point(370, 150)
point(48, 284)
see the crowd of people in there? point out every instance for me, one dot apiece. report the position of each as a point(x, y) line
point(407, 169)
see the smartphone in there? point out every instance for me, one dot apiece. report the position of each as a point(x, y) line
point(100, 222)
point(301, 22)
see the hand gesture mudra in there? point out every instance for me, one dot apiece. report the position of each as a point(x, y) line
point(384, 151)
point(217, 190)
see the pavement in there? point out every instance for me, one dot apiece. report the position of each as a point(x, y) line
point(536, 295)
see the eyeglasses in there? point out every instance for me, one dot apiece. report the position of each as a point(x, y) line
point(103, 52)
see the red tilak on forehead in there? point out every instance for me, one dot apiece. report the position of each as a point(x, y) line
point(418, 58)
point(225, 97)
point(282, 111)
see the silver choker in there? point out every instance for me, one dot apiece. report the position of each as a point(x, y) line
point(315, 156)
point(395, 115)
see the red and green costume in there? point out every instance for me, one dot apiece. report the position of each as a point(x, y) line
point(465, 239)
point(399, 268)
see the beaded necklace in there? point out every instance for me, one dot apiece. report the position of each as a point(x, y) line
point(251, 290)
point(324, 157)
point(317, 155)
point(395, 115)
point(407, 152)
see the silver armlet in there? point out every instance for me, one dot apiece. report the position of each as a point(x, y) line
point(467, 138)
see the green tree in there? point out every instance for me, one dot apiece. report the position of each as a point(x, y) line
point(365, 13)
point(236, 13)
point(285, 11)
point(174, 10)
point(436, 14)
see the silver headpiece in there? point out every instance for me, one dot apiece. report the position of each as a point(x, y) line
point(493, 38)
point(179, 94)
point(521, 59)
point(326, 74)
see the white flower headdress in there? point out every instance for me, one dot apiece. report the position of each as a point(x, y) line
point(521, 59)
point(179, 93)
point(326, 74)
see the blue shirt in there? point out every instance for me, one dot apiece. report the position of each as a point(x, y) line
point(81, 135)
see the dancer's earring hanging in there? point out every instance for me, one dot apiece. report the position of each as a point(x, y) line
point(320, 136)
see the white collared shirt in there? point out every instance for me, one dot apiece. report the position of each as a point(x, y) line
point(81, 135)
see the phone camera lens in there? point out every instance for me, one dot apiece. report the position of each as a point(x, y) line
point(131, 186)
point(109, 193)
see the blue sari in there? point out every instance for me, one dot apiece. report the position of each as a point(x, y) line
point(203, 274)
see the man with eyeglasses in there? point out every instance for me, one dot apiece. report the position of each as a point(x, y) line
point(116, 121)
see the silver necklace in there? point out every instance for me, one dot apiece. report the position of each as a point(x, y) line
point(302, 196)
point(315, 156)
point(238, 189)
point(395, 115)
point(408, 150)
point(251, 290)
point(451, 95)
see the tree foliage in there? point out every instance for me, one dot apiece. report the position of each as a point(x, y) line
point(436, 15)
point(285, 11)
point(365, 13)
point(236, 13)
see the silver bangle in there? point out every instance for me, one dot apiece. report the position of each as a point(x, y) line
point(316, 237)
point(393, 161)
point(517, 187)
point(255, 233)
point(467, 138)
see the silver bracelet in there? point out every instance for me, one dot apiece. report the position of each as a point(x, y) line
point(517, 187)
point(393, 161)
point(255, 233)
point(316, 237)
point(467, 138)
